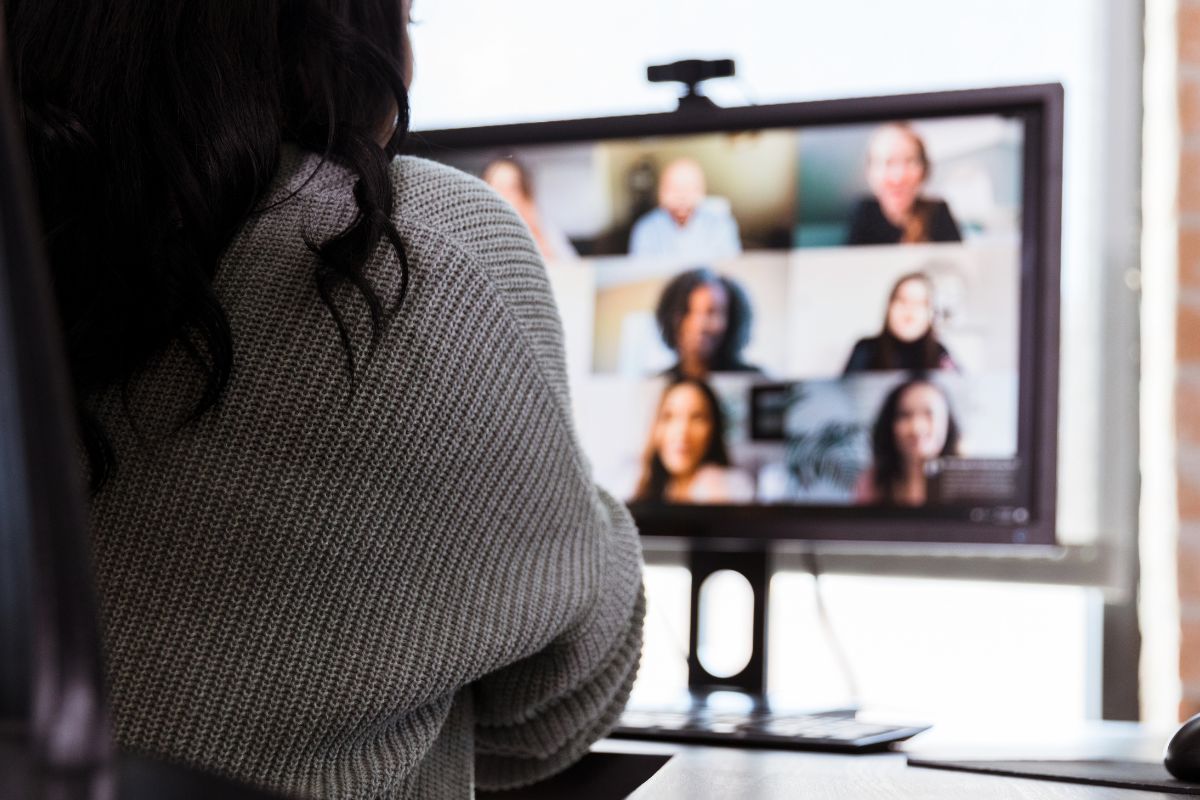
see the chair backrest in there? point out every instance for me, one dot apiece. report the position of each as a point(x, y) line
point(50, 674)
point(55, 740)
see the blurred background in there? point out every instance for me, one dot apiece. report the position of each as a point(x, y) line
point(1107, 625)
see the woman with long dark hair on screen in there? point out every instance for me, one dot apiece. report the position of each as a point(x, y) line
point(898, 211)
point(705, 318)
point(908, 339)
point(686, 460)
point(323, 402)
point(915, 425)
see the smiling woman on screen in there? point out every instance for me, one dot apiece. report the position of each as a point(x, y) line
point(686, 460)
point(908, 339)
point(898, 212)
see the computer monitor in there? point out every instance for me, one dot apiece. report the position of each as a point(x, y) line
point(832, 320)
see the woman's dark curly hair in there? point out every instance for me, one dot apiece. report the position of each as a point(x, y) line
point(889, 464)
point(154, 131)
point(652, 485)
point(673, 307)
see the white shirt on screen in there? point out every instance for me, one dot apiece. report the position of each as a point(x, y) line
point(711, 233)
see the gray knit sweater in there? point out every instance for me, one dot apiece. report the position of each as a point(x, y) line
point(401, 592)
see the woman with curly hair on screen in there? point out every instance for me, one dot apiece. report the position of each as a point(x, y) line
point(705, 319)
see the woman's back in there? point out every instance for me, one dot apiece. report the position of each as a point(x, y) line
point(366, 593)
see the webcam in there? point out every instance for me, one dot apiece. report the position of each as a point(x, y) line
point(691, 72)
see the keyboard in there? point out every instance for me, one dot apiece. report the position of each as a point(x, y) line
point(840, 732)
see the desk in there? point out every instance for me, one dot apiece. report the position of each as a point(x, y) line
point(726, 773)
point(720, 773)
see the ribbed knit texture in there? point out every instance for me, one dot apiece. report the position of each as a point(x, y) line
point(399, 592)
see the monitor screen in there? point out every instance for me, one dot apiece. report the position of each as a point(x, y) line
point(820, 325)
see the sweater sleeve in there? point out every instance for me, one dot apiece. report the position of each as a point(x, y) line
point(538, 716)
point(540, 709)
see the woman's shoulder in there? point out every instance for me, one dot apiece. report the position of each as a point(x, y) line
point(430, 189)
point(866, 210)
point(440, 211)
point(867, 225)
point(862, 355)
point(866, 347)
point(867, 342)
point(430, 200)
point(945, 360)
point(943, 226)
point(937, 205)
point(459, 206)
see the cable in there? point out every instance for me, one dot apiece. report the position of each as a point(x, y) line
point(835, 642)
point(677, 645)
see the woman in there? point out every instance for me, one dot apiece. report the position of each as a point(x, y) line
point(511, 180)
point(897, 212)
point(323, 408)
point(915, 426)
point(908, 339)
point(686, 460)
point(705, 318)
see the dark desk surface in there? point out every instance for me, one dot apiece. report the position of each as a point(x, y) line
point(723, 773)
point(718, 773)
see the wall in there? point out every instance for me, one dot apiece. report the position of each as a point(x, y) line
point(1187, 376)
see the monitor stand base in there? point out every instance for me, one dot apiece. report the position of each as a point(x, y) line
point(755, 566)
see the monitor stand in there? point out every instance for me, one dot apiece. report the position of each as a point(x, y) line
point(755, 567)
point(734, 710)
point(747, 688)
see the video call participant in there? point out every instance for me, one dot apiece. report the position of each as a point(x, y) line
point(897, 213)
point(688, 224)
point(908, 340)
point(511, 180)
point(915, 426)
point(686, 460)
point(705, 318)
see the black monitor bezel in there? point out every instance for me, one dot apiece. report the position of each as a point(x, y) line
point(1040, 106)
